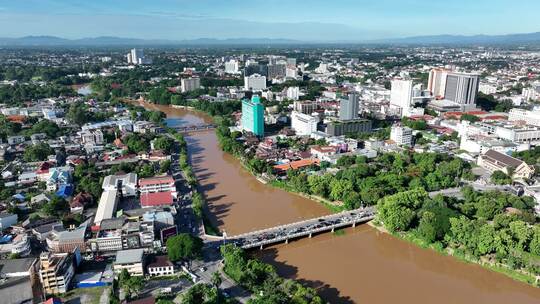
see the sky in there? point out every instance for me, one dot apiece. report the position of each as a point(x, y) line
point(308, 20)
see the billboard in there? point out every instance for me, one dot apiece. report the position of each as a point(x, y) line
point(166, 233)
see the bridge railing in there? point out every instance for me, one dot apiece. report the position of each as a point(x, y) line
point(307, 232)
point(326, 217)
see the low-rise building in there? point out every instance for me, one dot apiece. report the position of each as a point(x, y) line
point(160, 266)
point(7, 220)
point(56, 272)
point(131, 260)
point(126, 184)
point(402, 136)
point(497, 161)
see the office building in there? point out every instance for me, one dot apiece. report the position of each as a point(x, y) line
point(293, 93)
point(462, 88)
point(260, 69)
point(190, 84)
point(303, 124)
point(56, 272)
point(402, 136)
point(338, 128)
point(529, 117)
point(305, 107)
point(348, 108)
point(291, 62)
point(277, 70)
point(437, 82)
point(136, 56)
point(253, 116)
point(255, 82)
point(401, 95)
point(232, 67)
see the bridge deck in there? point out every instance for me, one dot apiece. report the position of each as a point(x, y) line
point(304, 228)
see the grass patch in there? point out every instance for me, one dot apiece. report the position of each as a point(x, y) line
point(85, 295)
point(209, 228)
point(340, 232)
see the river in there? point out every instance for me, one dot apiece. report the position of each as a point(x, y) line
point(361, 266)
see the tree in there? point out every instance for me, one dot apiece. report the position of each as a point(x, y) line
point(500, 178)
point(57, 206)
point(38, 152)
point(216, 279)
point(426, 227)
point(77, 114)
point(163, 143)
point(184, 247)
point(338, 189)
point(534, 245)
point(398, 211)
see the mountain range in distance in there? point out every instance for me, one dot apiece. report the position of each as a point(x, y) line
point(510, 39)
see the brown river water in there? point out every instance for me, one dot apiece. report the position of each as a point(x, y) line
point(361, 266)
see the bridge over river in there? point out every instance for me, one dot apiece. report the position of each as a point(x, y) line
point(195, 128)
point(306, 228)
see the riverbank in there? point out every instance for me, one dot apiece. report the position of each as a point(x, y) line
point(440, 249)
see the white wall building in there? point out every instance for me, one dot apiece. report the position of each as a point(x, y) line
point(190, 84)
point(255, 82)
point(437, 82)
point(401, 95)
point(232, 67)
point(303, 124)
point(402, 136)
point(293, 93)
point(529, 117)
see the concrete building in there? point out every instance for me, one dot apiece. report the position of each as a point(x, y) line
point(130, 260)
point(253, 116)
point(305, 107)
point(106, 206)
point(63, 241)
point(338, 128)
point(136, 56)
point(92, 137)
point(401, 135)
point(125, 184)
point(348, 108)
point(56, 272)
point(462, 88)
point(277, 70)
point(160, 266)
point(293, 93)
point(529, 117)
point(303, 124)
point(437, 82)
point(255, 82)
point(232, 67)
point(157, 184)
point(401, 95)
point(497, 161)
point(190, 84)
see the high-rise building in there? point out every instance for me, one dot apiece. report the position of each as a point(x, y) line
point(462, 88)
point(437, 82)
point(260, 69)
point(303, 124)
point(291, 62)
point(348, 108)
point(190, 84)
point(136, 56)
point(232, 67)
point(255, 82)
point(253, 115)
point(277, 70)
point(401, 95)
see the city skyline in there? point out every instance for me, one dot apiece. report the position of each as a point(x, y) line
point(343, 20)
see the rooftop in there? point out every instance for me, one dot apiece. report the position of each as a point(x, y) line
point(129, 256)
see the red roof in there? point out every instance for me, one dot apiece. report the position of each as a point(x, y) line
point(156, 180)
point(156, 199)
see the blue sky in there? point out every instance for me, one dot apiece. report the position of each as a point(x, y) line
point(316, 20)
